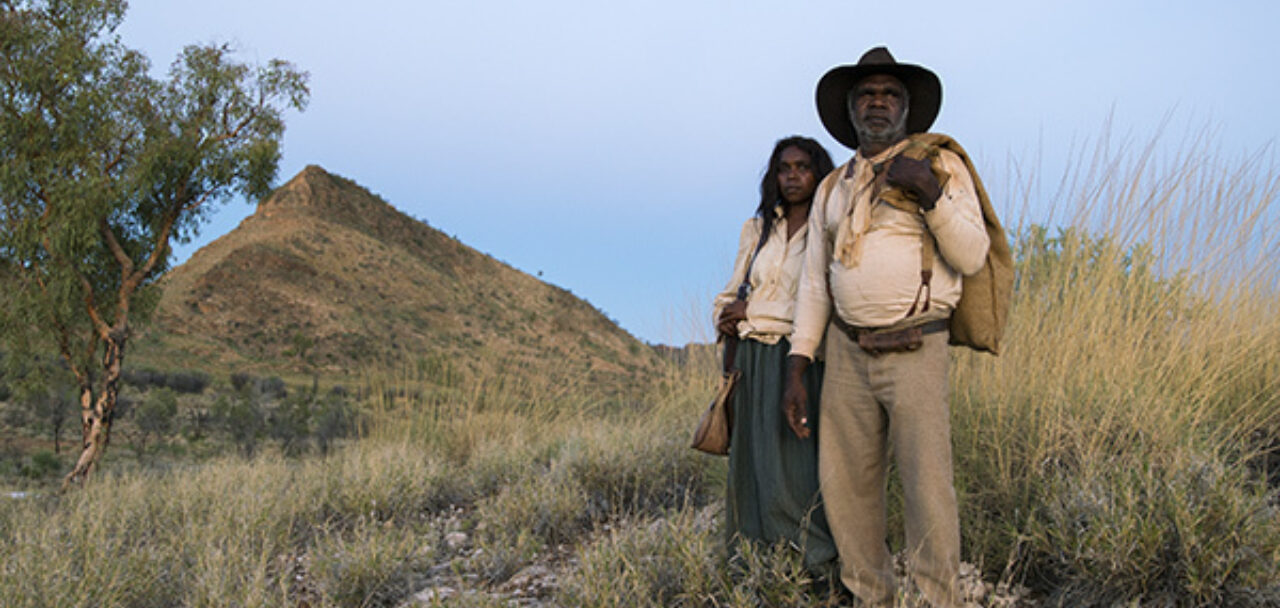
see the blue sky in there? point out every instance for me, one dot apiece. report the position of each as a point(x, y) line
point(617, 147)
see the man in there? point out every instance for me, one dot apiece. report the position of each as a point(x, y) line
point(890, 236)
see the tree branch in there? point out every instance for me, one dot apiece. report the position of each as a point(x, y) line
point(234, 133)
point(119, 157)
point(91, 307)
point(118, 252)
point(161, 241)
point(196, 203)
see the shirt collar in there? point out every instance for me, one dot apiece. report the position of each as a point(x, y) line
point(884, 155)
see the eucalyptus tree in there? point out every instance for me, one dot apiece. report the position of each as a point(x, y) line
point(102, 167)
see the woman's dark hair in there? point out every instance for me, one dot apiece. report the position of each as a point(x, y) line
point(770, 195)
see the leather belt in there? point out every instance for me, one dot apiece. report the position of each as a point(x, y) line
point(931, 327)
point(879, 341)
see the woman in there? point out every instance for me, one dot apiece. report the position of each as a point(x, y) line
point(773, 475)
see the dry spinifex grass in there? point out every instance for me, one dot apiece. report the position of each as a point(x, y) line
point(1116, 448)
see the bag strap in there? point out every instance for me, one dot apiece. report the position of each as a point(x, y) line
point(744, 288)
point(744, 291)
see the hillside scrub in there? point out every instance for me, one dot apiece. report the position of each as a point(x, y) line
point(1121, 450)
point(362, 527)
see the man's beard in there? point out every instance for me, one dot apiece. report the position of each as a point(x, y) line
point(890, 134)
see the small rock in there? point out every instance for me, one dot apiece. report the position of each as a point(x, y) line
point(440, 570)
point(972, 587)
point(434, 594)
point(455, 540)
point(531, 581)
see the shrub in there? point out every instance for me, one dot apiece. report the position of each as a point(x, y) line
point(197, 423)
point(289, 423)
point(41, 465)
point(189, 382)
point(272, 387)
point(157, 414)
point(240, 381)
point(50, 410)
point(144, 378)
point(242, 419)
point(333, 418)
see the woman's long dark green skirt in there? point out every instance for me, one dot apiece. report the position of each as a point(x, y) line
point(773, 475)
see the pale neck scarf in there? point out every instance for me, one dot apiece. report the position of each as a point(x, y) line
point(857, 222)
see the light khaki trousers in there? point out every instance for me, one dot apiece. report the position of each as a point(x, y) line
point(870, 405)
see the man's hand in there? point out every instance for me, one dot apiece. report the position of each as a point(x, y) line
point(795, 398)
point(916, 177)
point(729, 317)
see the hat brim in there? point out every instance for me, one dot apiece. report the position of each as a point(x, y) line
point(924, 91)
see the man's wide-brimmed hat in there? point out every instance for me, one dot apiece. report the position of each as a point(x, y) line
point(924, 92)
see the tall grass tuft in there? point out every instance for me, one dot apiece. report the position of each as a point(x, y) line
point(1110, 449)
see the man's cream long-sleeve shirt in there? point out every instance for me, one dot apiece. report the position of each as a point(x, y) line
point(879, 288)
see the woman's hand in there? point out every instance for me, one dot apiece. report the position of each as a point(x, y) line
point(729, 317)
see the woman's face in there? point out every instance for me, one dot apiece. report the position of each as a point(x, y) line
point(796, 180)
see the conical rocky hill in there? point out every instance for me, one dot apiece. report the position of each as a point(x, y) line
point(326, 276)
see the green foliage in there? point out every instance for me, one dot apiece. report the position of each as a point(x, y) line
point(154, 418)
point(197, 423)
point(333, 418)
point(1053, 269)
point(240, 380)
point(5, 391)
point(242, 419)
point(102, 166)
point(50, 410)
point(272, 387)
point(289, 423)
point(192, 382)
point(40, 465)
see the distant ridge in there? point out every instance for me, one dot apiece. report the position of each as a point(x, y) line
point(326, 276)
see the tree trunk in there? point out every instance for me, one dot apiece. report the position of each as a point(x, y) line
point(97, 415)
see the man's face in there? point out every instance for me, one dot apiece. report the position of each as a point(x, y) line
point(878, 109)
